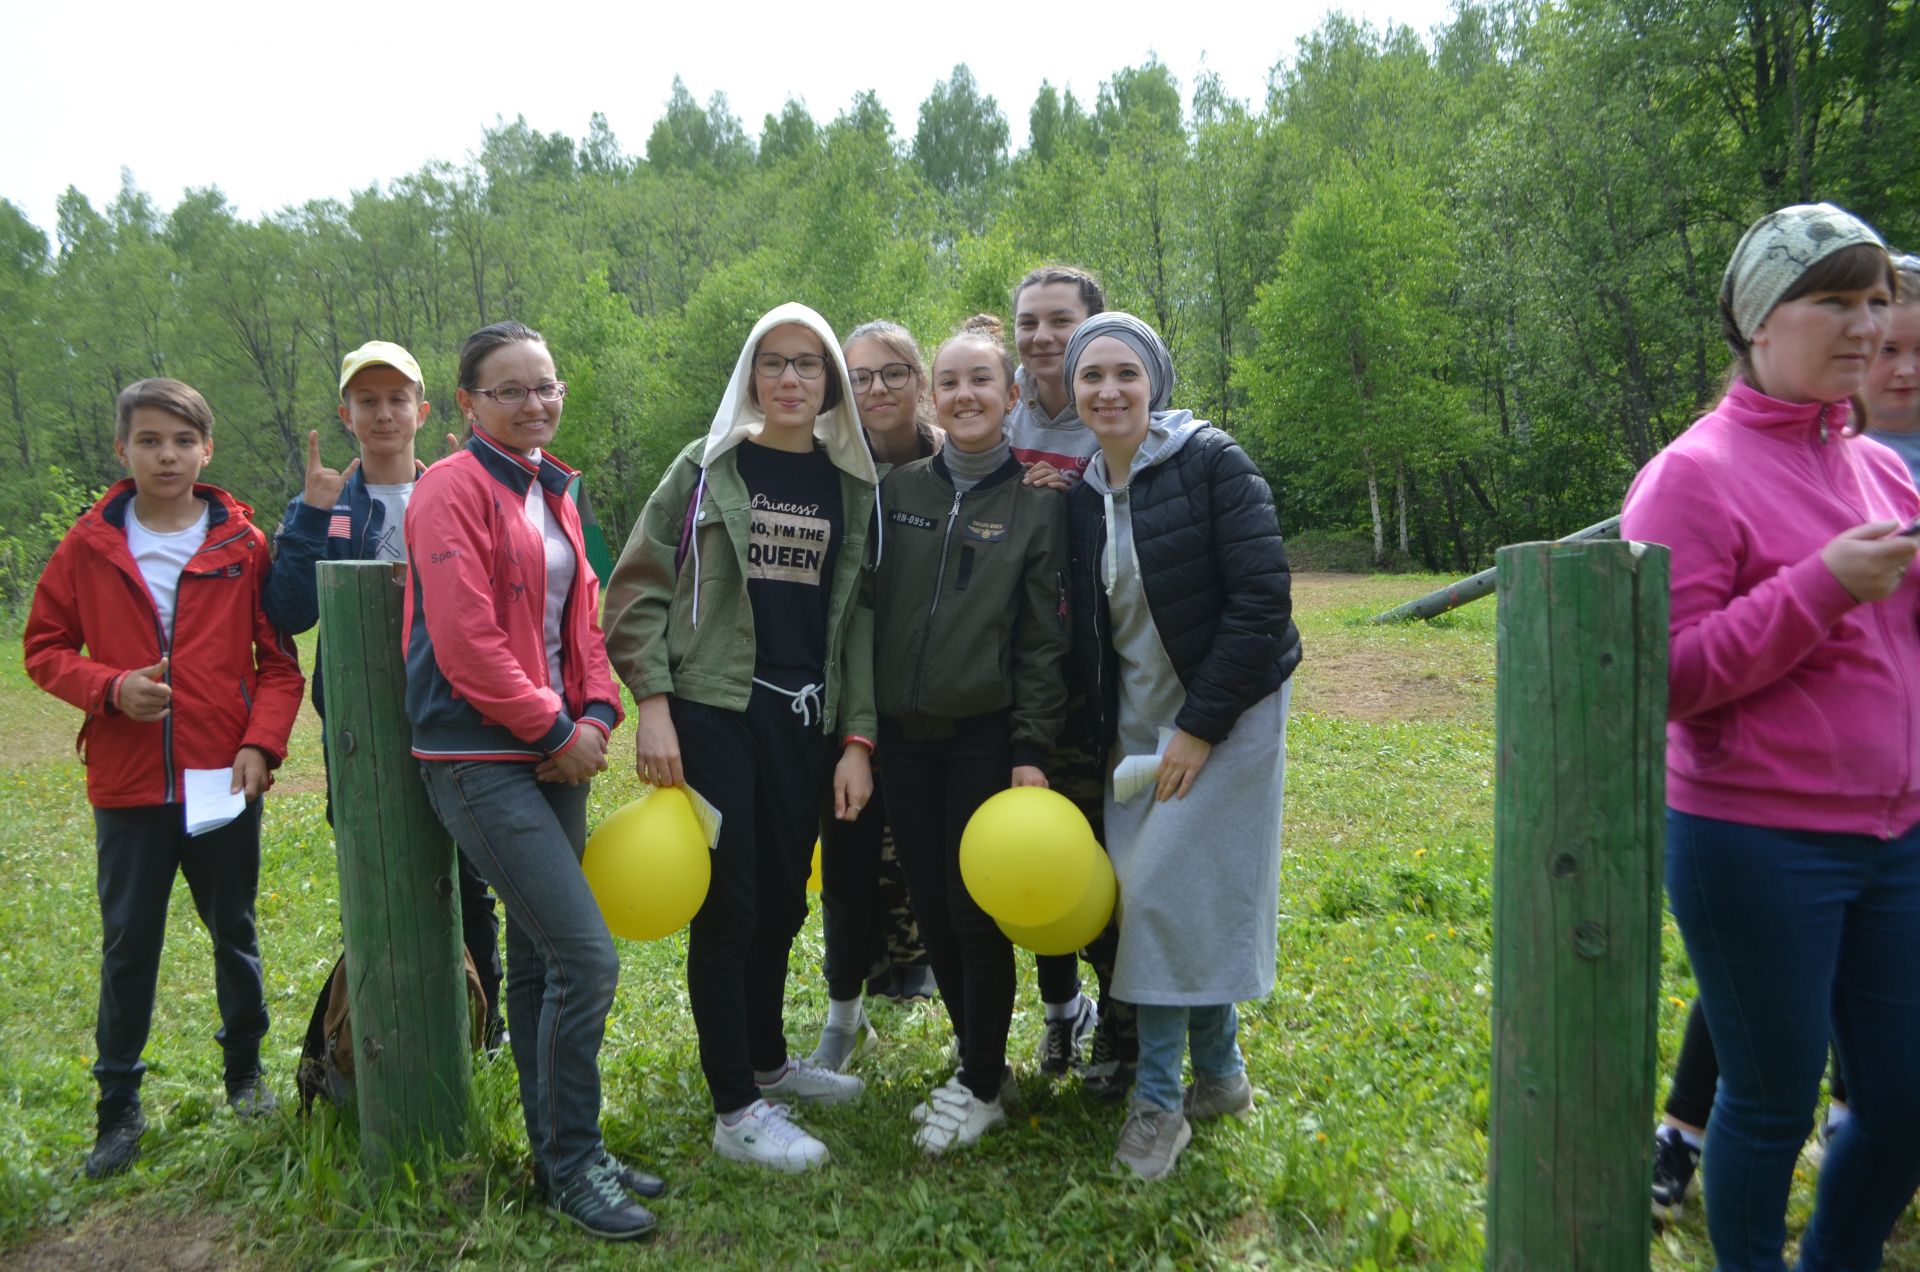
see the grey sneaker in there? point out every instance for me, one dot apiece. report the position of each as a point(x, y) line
point(1219, 1097)
point(804, 1082)
point(1152, 1140)
point(594, 1199)
point(840, 1047)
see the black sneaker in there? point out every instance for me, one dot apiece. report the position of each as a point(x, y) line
point(1674, 1162)
point(1105, 1076)
point(594, 1199)
point(116, 1145)
point(913, 981)
point(1061, 1045)
point(637, 1182)
point(251, 1096)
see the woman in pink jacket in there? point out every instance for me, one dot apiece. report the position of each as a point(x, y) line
point(1793, 758)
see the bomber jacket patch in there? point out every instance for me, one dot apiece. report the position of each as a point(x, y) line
point(981, 531)
point(915, 520)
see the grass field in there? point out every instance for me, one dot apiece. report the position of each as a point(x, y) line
point(1367, 1149)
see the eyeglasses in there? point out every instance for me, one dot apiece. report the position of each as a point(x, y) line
point(514, 394)
point(894, 375)
point(771, 366)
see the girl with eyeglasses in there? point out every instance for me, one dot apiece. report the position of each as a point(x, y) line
point(512, 702)
point(872, 938)
point(738, 622)
point(969, 636)
point(1793, 756)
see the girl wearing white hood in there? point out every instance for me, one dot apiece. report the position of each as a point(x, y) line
point(737, 620)
point(1184, 644)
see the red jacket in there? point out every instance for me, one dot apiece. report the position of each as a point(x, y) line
point(236, 681)
point(478, 687)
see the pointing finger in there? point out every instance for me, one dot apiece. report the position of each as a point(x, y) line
point(313, 450)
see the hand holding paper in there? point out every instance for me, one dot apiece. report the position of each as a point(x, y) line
point(1136, 773)
point(212, 801)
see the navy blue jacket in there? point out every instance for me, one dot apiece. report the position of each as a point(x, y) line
point(308, 536)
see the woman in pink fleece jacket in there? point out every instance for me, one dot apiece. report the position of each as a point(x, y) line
point(1793, 761)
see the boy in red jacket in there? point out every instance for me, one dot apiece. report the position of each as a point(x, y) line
point(148, 618)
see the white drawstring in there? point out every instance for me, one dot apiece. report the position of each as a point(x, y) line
point(803, 701)
point(699, 493)
point(1109, 552)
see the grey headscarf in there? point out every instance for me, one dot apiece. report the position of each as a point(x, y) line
point(1777, 249)
point(1136, 335)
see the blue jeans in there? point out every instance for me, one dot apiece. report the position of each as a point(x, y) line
point(1165, 1034)
point(525, 838)
point(1792, 934)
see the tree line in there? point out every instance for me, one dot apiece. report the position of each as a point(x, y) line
point(1449, 290)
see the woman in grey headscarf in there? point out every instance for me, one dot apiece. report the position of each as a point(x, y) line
point(1184, 642)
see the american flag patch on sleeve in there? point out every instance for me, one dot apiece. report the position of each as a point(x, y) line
point(341, 527)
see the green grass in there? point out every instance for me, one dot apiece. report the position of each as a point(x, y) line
point(1367, 1150)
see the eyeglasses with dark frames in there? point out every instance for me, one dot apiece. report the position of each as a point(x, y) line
point(771, 366)
point(894, 375)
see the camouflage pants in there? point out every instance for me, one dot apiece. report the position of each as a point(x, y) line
point(868, 921)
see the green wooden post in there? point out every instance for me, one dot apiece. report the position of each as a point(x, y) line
point(1578, 846)
point(398, 900)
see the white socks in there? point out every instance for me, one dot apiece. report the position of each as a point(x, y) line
point(1064, 1011)
point(843, 1015)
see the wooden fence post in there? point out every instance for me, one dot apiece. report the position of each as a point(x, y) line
point(1578, 848)
point(399, 902)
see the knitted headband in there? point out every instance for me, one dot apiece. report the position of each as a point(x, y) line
point(1777, 249)
point(1136, 335)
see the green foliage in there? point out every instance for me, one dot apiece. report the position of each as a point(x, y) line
point(1517, 219)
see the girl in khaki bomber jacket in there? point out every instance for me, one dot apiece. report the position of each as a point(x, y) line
point(970, 636)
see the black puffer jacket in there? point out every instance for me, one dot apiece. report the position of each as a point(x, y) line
point(1216, 579)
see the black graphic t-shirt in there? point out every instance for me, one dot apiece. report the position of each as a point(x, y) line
point(791, 549)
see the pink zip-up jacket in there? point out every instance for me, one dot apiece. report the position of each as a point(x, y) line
point(1790, 704)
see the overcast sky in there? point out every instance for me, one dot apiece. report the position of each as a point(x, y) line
point(280, 103)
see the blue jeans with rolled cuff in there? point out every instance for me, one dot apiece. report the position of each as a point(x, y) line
point(1165, 1035)
point(525, 837)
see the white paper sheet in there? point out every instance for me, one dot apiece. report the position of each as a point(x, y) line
point(211, 800)
point(1136, 773)
point(707, 815)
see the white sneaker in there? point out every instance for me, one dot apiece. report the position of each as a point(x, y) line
point(923, 1110)
point(765, 1136)
point(840, 1047)
point(804, 1082)
point(957, 1117)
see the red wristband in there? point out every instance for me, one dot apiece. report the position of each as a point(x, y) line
point(866, 742)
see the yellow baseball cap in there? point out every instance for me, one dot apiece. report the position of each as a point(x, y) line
point(379, 353)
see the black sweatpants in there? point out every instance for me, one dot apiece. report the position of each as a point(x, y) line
point(933, 787)
point(762, 769)
point(139, 850)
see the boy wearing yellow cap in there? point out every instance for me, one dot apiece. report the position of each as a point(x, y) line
point(356, 514)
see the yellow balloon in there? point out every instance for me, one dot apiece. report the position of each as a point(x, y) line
point(1028, 856)
point(648, 866)
point(1081, 925)
point(813, 877)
